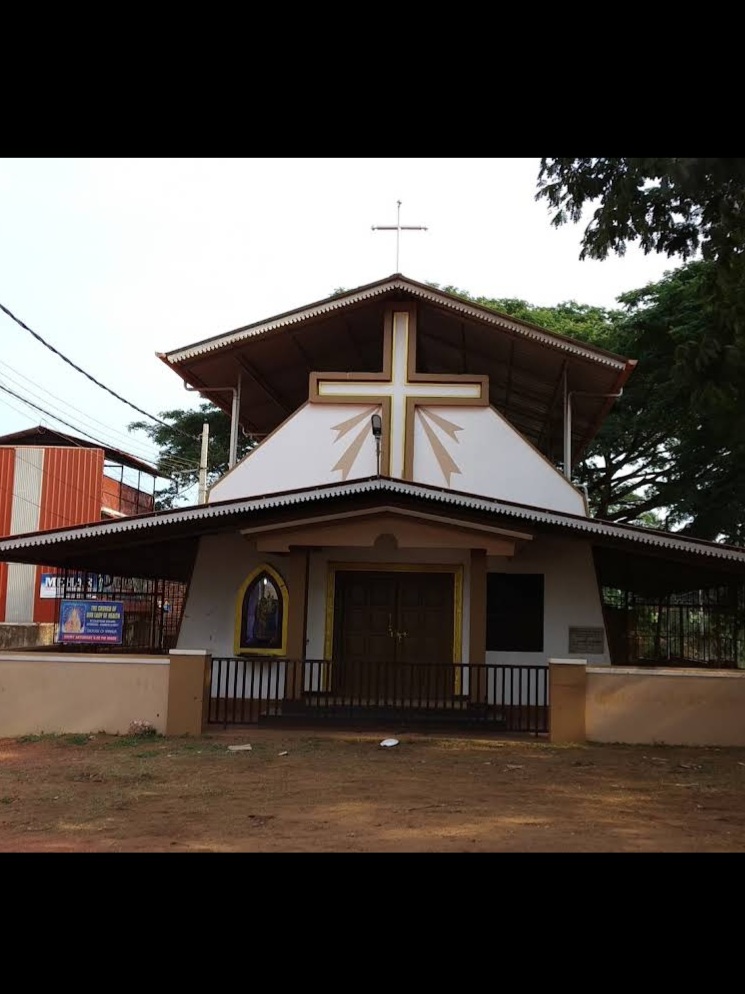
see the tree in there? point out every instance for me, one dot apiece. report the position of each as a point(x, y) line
point(692, 323)
point(669, 453)
point(675, 206)
point(180, 444)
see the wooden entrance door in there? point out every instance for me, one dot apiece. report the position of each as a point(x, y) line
point(389, 626)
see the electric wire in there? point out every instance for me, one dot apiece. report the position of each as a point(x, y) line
point(66, 484)
point(88, 375)
point(129, 444)
point(166, 462)
point(179, 492)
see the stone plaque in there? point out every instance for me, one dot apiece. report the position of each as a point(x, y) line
point(587, 641)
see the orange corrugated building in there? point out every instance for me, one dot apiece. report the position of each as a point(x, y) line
point(49, 480)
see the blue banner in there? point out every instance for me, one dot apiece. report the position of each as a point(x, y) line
point(91, 621)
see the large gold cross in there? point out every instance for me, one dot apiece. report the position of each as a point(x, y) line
point(399, 390)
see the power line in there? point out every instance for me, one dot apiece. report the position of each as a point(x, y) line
point(30, 403)
point(92, 378)
point(68, 485)
point(61, 400)
point(130, 445)
point(24, 400)
point(130, 448)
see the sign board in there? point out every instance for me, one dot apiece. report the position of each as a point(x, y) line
point(53, 585)
point(91, 621)
point(587, 641)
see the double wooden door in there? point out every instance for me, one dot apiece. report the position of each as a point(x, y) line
point(389, 626)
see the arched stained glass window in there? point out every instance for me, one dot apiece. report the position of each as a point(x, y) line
point(262, 624)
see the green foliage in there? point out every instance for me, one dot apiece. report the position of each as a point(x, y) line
point(59, 738)
point(682, 418)
point(180, 444)
point(573, 320)
point(675, 206)
point(124, 742)
point(669, 455)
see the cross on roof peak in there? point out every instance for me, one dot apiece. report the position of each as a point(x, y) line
point(398, 228)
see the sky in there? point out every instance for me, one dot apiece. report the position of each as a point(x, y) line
point(114, 260)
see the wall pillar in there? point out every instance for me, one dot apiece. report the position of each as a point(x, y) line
point(297, 585)
point(477, 688)
point(567, 680)
point(188, 691)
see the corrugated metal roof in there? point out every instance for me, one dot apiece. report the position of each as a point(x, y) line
point(392, 283)
point(589, 527)
point(41, 435)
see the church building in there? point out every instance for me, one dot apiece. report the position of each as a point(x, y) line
point(406, 527)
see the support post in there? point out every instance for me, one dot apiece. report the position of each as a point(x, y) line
point(567, 431)
point(297, 584)
point(188, 691)
point(203, 464)
point(567, 693)
point(235, 415)
point(477, 685)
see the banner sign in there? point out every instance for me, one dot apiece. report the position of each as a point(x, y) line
point(53, 585)
point(91, 621)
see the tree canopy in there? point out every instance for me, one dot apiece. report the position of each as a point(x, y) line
point(687, 330)
point(675, 206)
point(180, 444)
point(669, 453)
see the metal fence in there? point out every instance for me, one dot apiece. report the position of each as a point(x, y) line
point(698, 628)
point(152, 609)
point(250, 690)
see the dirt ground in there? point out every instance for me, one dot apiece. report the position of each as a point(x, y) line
point(341, 791)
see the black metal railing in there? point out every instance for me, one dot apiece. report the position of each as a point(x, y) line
point(248, 690)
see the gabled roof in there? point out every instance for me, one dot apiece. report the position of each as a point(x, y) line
point(163, 544)
point(526, 364)
point(42, 437)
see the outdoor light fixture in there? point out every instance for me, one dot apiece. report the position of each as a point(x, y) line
point(376, 423)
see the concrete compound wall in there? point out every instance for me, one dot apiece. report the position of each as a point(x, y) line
point(641, 706)
point(56, 693)
point(673, 707)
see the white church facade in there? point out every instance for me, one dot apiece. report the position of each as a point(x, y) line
point(406, 524)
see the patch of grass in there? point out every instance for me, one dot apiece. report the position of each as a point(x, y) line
point(124, 742)
point(75, 740)
point(69, 738)
point(195, 746)
point(7, 799)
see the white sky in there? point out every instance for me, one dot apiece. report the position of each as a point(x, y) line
point(113, 260)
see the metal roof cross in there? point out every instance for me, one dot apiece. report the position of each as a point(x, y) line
point(398, 228)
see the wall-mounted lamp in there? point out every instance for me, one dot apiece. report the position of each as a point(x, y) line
point(376, 423)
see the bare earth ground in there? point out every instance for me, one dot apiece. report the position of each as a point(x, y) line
point(340, 791)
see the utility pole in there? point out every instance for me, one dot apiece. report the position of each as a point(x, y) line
point(203, 464)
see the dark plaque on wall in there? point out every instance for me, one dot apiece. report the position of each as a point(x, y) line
point(588, 641)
